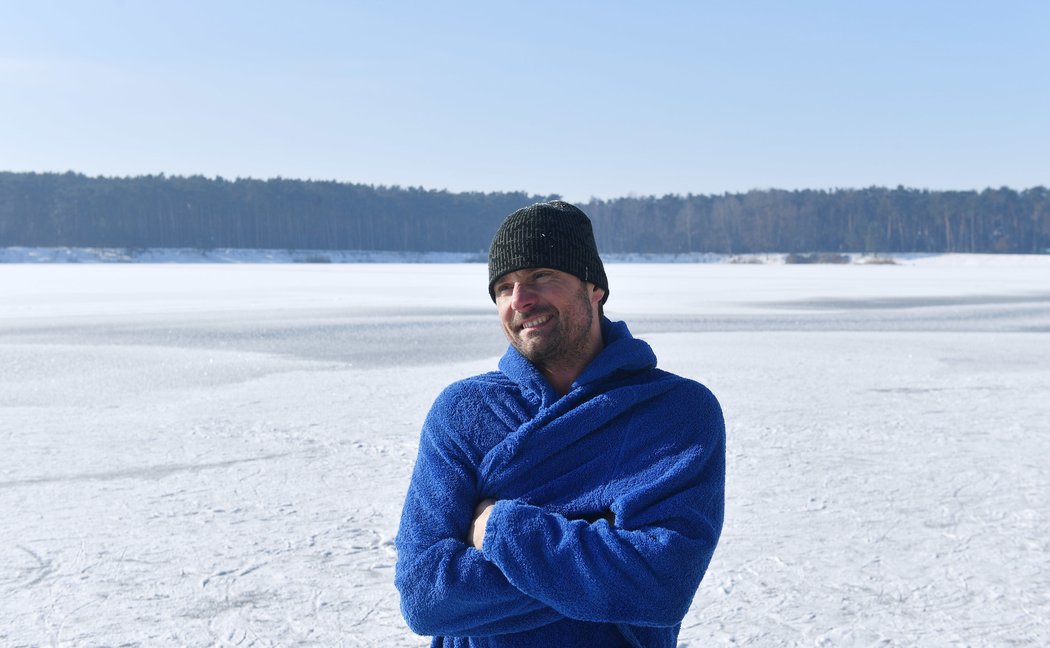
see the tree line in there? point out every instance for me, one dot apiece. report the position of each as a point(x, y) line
point(73, 210)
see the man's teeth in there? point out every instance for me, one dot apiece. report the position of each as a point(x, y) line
point(535, 322)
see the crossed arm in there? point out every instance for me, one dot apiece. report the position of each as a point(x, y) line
point(447, 586)
point(481, 517)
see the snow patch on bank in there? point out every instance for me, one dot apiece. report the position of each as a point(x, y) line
point(243, 255)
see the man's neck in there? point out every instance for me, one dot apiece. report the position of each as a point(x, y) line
point(561, 375)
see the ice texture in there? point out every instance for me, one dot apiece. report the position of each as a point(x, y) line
point(216, 455)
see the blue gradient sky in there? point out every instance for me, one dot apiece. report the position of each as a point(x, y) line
point(581, 99)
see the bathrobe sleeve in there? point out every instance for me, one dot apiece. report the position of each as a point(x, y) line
point(644, 569)
point(447, 586)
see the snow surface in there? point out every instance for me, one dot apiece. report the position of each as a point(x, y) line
point(216, 455)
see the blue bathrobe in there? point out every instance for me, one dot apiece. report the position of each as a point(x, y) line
point(609, 505)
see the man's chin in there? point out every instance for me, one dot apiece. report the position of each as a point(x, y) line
point(533, 350)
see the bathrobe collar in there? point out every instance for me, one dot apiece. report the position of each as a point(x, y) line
point(621, 354)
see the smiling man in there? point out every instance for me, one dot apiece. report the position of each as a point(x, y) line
point(575, 496)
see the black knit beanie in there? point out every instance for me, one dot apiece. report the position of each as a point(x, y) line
point(547, 235)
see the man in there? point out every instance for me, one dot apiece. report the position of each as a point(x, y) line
point(575, 496)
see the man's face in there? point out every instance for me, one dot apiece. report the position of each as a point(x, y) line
point(547, 315)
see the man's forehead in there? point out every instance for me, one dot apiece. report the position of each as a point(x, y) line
point(525, 272)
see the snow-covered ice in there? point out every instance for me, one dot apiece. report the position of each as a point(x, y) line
point(216, 455)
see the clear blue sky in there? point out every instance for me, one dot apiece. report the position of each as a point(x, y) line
point(581, 99)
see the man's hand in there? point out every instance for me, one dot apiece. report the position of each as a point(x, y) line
point(481, 519)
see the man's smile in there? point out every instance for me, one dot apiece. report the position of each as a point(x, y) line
point(536, 321)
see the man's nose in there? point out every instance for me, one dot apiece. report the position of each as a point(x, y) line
point(522, 298)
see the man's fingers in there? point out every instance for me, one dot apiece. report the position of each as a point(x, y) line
point(481, 518)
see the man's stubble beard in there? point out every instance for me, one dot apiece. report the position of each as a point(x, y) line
point(566, 344)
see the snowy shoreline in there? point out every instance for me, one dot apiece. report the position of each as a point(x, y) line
point(243, 255)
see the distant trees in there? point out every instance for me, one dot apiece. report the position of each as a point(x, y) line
point(159, 211)
point(171, 211)
point(846, 220)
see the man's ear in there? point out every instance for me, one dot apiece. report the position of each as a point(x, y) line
point(597, 293)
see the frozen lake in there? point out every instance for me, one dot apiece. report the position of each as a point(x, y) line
point(216, 455)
